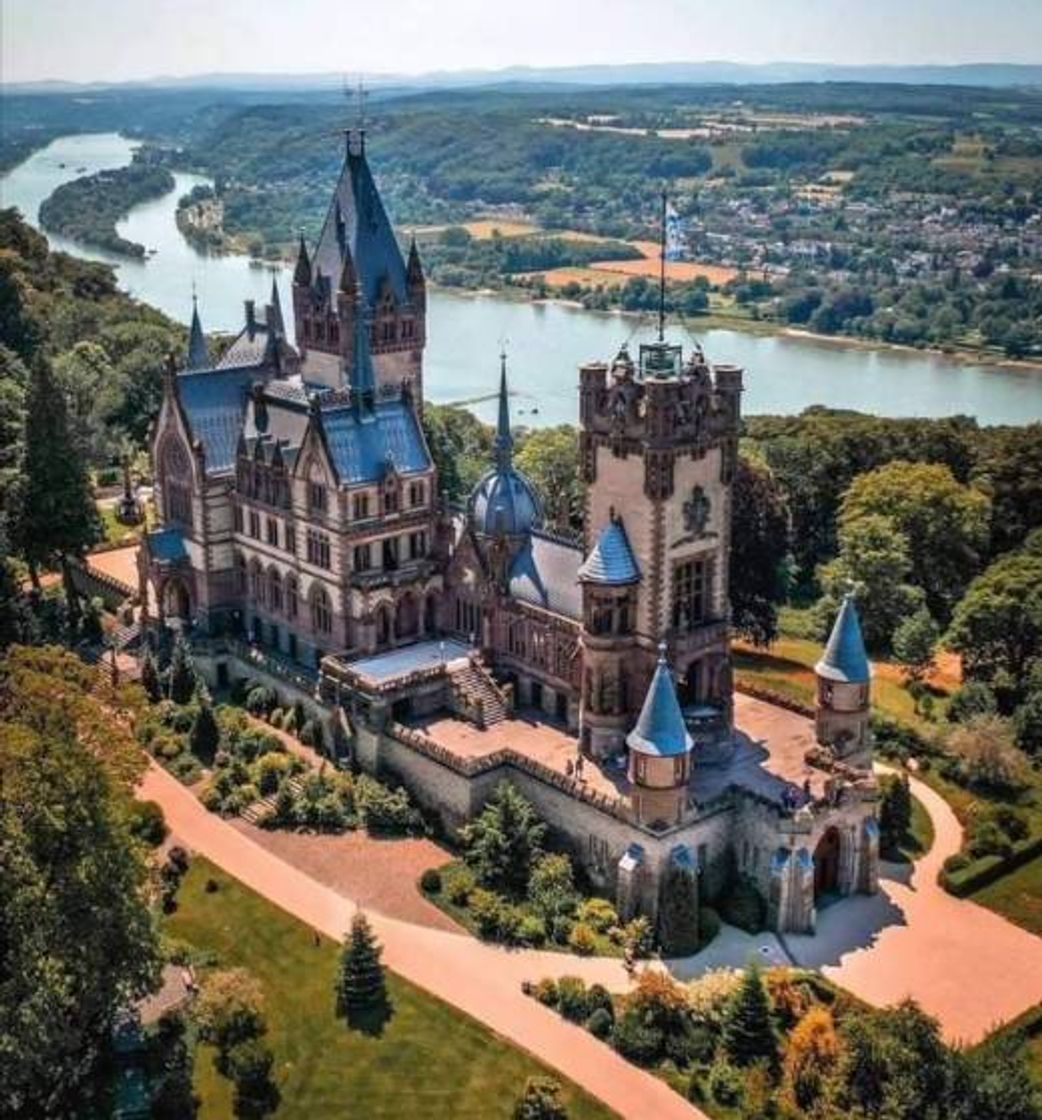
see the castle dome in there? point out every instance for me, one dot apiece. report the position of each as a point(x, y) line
point(504, 502)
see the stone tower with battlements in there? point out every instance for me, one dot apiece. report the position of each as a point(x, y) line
point(658, 447)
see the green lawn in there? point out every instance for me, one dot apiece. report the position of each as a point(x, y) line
point(788, 669)
point(431, 1061)
point(1018, 896)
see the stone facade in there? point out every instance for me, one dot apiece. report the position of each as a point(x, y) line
point(302, 540)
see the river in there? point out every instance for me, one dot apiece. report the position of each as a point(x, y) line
point(546, 342)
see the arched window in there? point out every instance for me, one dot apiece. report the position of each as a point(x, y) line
point(383, 625)
point(256, 582)
point(321, 612)
point(274, 589)
point(176, 482)
point(292, 595)
point(240, 573)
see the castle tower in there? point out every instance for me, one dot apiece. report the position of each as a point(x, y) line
point(609, 577)
point(660, 751)
point(659, 439)
point(844, 679)
point(357, 249)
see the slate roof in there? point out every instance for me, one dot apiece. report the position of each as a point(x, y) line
point(660, 727)
point(545, 574)
point(611, 559)
point(214, 402)
point(363, 444)
point(504, 501)
point(167, 545)
point(249, 348)
point(845, 658)
point(356, 218)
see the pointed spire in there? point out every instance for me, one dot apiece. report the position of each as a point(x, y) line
point(198, 354)
point(275, 320)
point(503, 445)
point(660, 727)
point(302, 272)
point(414, 268)
point(611, 560)
point(845, 658)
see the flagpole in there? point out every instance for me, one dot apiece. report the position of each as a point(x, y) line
point(662, 275)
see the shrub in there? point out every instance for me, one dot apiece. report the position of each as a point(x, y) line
point(987, 839)
point(702, 1041)
point(582, 939)
point(600, 1024)
point(249, 1065)
point(540, 1101)
point(598, 914)
point(384, 811)
point(486, 909)
point(430, 881)
point(146, 821)
point(167, 746)
point(180, 720)
point(958, 862)
point(572, 999)
point(811, 1054)
point(270, 769)
point(973, 699)
point(987, 758)
point(551, 887)
point(638, 935)
point(743, 906)
point(561, 929)
point(229, 1010)
point(546, 991)
point(276, 718)
point(678, 911)
point(261, 700)
point(459, 883)
point(708, 995)
point(636, 1040)
point(725, 1084)
point(504, 842)
point(599, 998)
point(312, 735)
point(532, 930)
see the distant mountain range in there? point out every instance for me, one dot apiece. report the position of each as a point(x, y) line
point(993, 74)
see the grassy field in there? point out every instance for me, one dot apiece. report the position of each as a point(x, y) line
point(1018, 896)
point(788, 668)
point(431, 1061)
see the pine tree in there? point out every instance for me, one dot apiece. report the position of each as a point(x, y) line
point(895, 813)
point(748, 1036)
point(182, 674)
point(361, 989)
point(150, 677)
point(56, 517)
point(678, 912)
point(205, 736)
point(14, 623)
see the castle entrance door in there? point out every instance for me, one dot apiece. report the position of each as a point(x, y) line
point(826, 863)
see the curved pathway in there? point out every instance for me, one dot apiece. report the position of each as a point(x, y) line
point(482, 980)
point(967, 966)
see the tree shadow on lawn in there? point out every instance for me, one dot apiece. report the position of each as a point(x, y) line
point(371, 1020)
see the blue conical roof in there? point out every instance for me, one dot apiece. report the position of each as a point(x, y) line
point(845, 658)
point(660, 727)
point(611, 559)
point(198, 354)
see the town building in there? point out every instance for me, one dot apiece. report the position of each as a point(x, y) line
point(303, 542)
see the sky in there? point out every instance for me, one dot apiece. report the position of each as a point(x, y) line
point(118, 40)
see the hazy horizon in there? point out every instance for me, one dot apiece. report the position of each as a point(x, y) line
point(125, 40)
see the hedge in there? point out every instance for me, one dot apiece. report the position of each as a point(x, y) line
point(983, 872)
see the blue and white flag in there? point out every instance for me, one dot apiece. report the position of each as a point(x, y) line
point(676, 235)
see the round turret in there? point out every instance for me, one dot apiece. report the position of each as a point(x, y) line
point(844, 676)
point(660, 751)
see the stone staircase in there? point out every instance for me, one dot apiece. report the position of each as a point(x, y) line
point(476, 696)
point(257, 809)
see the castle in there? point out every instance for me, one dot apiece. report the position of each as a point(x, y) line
point(303, 541)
